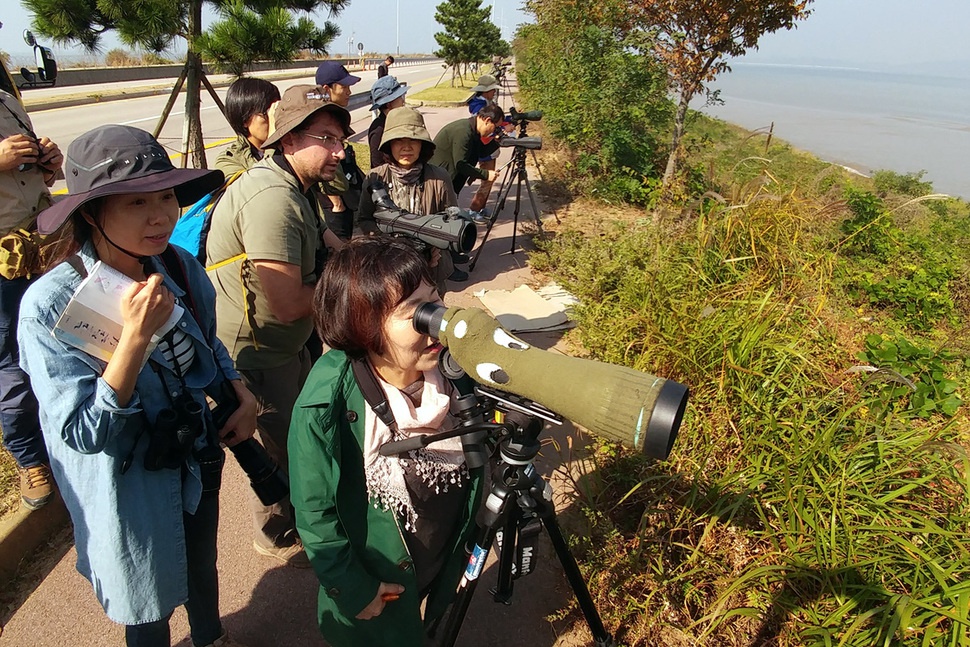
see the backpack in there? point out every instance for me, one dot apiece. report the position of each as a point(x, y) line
point(192, 229)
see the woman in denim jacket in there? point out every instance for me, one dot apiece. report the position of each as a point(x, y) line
point(145, 515)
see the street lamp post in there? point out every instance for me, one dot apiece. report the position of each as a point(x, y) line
point(398, 48)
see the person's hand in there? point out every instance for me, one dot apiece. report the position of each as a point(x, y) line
point(492, 176)
point(435, 257)
point(16, 150)
point(146, 305)
point(386, 592)
point(51, 157)
point(338, 204)
point(242, 423)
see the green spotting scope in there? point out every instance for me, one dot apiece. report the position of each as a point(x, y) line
point(640, 410)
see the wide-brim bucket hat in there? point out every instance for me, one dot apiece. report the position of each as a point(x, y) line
point(112, 160)
point(404, 122)
point(298, 104)
point(385, 90)
point(486, 82)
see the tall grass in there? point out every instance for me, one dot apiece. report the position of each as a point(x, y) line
point(804, 503)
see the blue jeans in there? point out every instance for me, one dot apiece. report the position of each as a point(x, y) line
point(203, 603)
point(18, 406)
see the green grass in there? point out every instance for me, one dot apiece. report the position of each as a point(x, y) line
point(806, 501)
point(445, 92)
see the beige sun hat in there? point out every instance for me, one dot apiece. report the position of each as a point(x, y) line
point(299, 102)
point(486, 82)
point(404, 123)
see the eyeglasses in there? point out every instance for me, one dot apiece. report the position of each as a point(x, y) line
point(329, 141)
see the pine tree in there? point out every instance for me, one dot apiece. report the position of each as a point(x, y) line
point(156, 24)
point(469, 35)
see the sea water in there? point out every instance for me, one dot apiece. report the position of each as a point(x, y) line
point(866, 120)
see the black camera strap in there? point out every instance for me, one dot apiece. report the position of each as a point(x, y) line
point(373, 393)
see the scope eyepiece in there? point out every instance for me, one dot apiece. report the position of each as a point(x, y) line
point(427, 318)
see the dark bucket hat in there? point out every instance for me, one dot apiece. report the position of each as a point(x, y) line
point(296, 106)
point(111, 160)
point(385, 90)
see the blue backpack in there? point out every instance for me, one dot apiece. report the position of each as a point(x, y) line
point(192, 229)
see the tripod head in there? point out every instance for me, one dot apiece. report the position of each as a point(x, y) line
point(486, 416)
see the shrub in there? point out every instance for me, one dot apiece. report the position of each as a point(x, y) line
point(603, 102)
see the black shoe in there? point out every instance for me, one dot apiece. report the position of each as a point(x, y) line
point(458, 276)
point(459, 259)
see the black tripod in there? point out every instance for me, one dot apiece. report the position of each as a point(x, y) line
point(518, 502)
point(516, 174)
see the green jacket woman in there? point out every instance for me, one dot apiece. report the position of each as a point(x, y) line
point(373, 576)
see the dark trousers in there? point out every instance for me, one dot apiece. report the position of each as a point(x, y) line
point(203, 603)
point(18, 406)
point(276, 391)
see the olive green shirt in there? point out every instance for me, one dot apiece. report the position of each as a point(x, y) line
point(266, 215)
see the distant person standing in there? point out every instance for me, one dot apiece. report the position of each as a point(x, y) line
point(343, 191)
point(263, 240)
point(28, 166)
point(386, 94)
point(458, 146)
point(248, 102)
point(485, 94)
point(382, 68)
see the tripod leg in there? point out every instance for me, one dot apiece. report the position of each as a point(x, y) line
point(476, 564)
point(503, 193)
point(575, 578)
point(515, 210)
point(535, 209)
point(510, 534)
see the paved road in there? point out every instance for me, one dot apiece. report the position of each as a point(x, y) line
point(266, 605)
point(63, 125)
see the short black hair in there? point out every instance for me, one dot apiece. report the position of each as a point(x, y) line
point(362, 284)
point(248, 96)
point(389, 58)
point(493, 112)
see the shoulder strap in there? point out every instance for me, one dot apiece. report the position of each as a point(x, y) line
point(176, 269)
point(75, 261)
point(373, 393)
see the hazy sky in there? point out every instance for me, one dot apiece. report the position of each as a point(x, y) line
point(852, 32)
point(373, 22)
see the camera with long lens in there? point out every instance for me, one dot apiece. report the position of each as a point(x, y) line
point(266, 478)
point(529, 143)
point(174, 433)
point(640, 410)
point(451, 229)
point(517, 117)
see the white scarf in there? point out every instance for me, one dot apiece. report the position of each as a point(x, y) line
point(440, 465)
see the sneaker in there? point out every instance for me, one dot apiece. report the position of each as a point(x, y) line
point(36, 486)
point(293, 555)
point(480, 217)
point(458, 276)
point(225, 641)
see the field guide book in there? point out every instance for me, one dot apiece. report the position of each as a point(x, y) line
point(92, 320)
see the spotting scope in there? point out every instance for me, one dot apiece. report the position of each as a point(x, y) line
point(640, 410)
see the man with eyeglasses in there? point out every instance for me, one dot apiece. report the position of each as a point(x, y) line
point(261, 256)
point(343, 192)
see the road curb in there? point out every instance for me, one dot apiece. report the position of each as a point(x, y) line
point(24, 531)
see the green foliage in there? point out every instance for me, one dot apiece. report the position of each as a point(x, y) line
point(805, 503)
point(917, 294)
point(902, 272)
point(605, 103)
point(155, 24)
point(915, 377)
point(871, 230)
point(910, 184)
point(468, 35)
point(244, 36)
